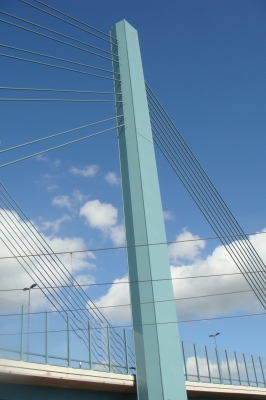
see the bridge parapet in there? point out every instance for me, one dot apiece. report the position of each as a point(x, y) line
point(56, 344)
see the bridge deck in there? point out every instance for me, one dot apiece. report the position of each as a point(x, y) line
point(28, 373)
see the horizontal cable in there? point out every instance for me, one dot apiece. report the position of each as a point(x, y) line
point(83, 23)
point(62, 100)
point(57, 33)
point(55, 135)
point(135, 325)
point(57, 147)
point(64, 20)
point(138, 281)
point(57, 58)
point(146, 302)
point(59, 67)
point(55, 90)
point(142, 245)
point(54, 39)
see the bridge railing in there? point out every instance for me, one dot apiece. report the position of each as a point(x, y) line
point(216, 365)
point(48, 338)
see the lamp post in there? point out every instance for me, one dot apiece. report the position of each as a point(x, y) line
point(29, 289)
point(214, 337)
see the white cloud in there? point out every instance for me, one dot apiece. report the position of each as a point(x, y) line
point(212, 368)
point(14, 276)
point(168, 216)
point(41, 157)
point(54, 225)
point(218, 262)
point(117, 294)
point(89, 170)
point(79, 197)
point(104, 216)
point(189, 249)
point(117, 235)
point(99, 215)
point(112, 179)
point(62, 201)
point(51, 187)
point(56, 163)
point(70, 202)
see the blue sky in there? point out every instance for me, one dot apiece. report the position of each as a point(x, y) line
point(205, 60)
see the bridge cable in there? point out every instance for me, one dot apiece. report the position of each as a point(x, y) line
point(211, 186)
point(211, 219)
point(68, 22)
point(151, 324)
point(83, 23)
point(242, 234)
point(54, 39)
point(32, 228)
point(233, 250)
point(59, 146)
point(55, 135)
point(150, 244)
point(57, 33)
point(55, 90)
point(58, 59)
point(58, 66)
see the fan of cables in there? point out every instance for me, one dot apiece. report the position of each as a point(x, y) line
point(198, 184)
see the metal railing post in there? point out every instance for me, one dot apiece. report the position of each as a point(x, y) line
point(109, 349)
point(208, 364)
point(244, 358)
point(21, 333)
point(228, 366)
point(196, 359)
point(184, 359)
point(256, 378)
point(237, 368)
point(126, 351)
point(89, 344)
point(68, 342)
point(46, 337)
point(264, 381)
point(218, 364)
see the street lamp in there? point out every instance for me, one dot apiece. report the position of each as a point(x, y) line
point(29, 289)
point(214, 337)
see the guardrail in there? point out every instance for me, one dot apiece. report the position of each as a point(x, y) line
point(61, 346)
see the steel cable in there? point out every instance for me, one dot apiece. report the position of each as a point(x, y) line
point(209, 197)
point(83, 23)
point(202, 174)
point(225, 243)
point(57, 33)
point(32, 228)
point(56, 58)
point(64, 20)
point(56, 66)
point(56, 40)
point(207, 216)
point(205, 197)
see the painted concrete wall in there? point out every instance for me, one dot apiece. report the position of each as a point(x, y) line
point(9, 391)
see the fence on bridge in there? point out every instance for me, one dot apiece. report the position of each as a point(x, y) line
point(47, 338)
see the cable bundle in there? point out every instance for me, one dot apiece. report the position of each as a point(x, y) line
point(207, 198)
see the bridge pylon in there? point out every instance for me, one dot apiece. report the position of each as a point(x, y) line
point(159, 363)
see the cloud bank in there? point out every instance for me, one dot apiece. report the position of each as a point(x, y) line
point(187, 260)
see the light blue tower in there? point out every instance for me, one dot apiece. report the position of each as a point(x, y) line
point(159, 363)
